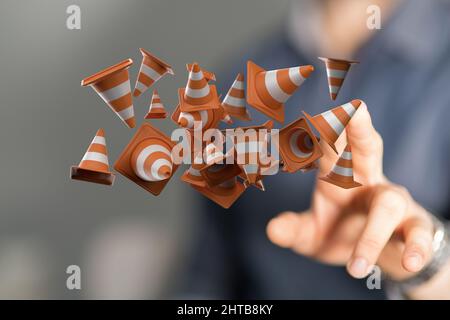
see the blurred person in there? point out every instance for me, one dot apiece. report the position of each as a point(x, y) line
point(401, 154)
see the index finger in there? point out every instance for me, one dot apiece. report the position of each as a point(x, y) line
point(367, 147)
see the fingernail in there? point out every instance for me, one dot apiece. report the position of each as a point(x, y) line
point(414, 262)
point(359, 268)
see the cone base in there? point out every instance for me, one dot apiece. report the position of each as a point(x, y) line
point(158, 115)
point(291, 162)
point(106, 72)
point(345, 185)
point(106, 178)
point(123, 163)
point(337, 60)
point(147, 53)
point(199, 183)
point(322, 134)
point(225, 201)
point(217, 116)
point(239, 116)
point(216, 178)
point(214, 103)
point(209, 76)
point(253, 98)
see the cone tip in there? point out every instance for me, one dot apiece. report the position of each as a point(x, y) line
point(356, 102)
point(182, 122)
point(131, 123)
point(306, 70)
point(100, 132)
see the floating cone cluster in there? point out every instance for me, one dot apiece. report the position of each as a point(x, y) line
point(156, 109)
point(220, 170)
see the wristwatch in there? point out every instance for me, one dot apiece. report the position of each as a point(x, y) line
point(441, 255)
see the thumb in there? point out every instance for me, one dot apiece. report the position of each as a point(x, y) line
point(296, 231)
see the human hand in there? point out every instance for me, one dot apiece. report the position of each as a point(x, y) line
point(379, 223)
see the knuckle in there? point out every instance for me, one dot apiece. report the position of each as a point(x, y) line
point(392, 201)
point(370, 243)
point(378, 141)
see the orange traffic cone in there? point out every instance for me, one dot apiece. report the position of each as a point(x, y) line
point(193, 175)
point(224, 194)
point(342, 173)
point(209, 76)
point(259, 184)
point(336, 73)
point(234, 101)
point(248, 154)
point(298, 146)
point(331, 123)
point(156, 109)
point(152, 69)
point(94, 166)
point(147, 159)
point(267, 91)
point(213, 155)
point(209, 118)
point(198, 94)
point(113, 86)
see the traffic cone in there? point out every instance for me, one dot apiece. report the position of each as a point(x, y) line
point(217, 167)
point(298, 146)
point(94, 166)
point(342, 173)
point(209, 118)
point(193, 175)
point(113, 86)
point(331, 123)
point(224, 194)
point(213, 154)
point(267, 91)
point(198, 94)
point(336, 73)
point(234, 101)
point(156, 109)
point(209, 76)
point(152, 69)
point(147, 159)
point(259, 184)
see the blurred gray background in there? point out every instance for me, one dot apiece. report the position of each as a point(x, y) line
point(127, 243)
